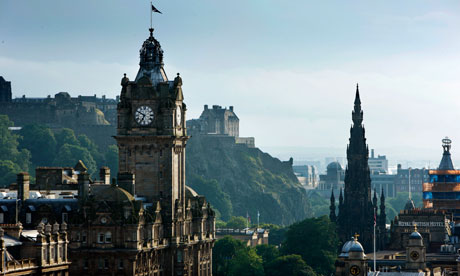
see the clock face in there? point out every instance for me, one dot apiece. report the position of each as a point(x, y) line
point(414, 255)
point(355, 270)
point(144, 115)
point(103, 220)
point(178, 115)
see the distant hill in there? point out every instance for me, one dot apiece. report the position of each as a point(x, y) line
point(238, 180)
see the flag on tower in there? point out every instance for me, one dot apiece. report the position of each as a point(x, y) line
point(155, 9)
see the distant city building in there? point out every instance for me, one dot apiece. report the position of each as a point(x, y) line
point(89, 115)
point(442, 191)
point(307, 175)
point(385, 182)
point(219, 122)
point(250, 237)
point(378, 164)
point(333, 179)
point(416, 177)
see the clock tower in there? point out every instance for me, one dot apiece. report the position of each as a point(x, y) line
point(151, 133)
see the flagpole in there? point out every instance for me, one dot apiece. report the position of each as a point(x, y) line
point(150, 9)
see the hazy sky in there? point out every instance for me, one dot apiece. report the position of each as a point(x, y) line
point(289, 67)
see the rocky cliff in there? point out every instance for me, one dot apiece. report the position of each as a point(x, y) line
point(238, 180)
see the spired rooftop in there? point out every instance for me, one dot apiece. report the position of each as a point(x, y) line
point(442, 192)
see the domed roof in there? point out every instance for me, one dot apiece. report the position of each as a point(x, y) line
point(111, 193)
point(356, 247)
point(347, 245)
point(334, 166)
point(415, 236)
point(151, 61)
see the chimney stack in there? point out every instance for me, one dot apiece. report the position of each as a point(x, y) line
point(104, 175)
point(23, 181)
point(127, 181)
point(83, 185)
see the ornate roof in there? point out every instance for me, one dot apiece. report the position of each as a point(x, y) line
point(151, 61)
point(446, 161)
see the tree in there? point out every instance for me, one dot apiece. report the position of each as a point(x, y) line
point(41, 143)
point(111, 159)
point(69, 155)
point(9, 145)
point(268, 253)
point(237, 223)
point(225, 250)
point(8, 172)
point(246, 263)
point(316, 241)
point(66, 136)
point(86, 143)
point(211, 189)
point(231, 257)
point(289, 265)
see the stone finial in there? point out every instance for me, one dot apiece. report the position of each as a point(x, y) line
point(48, 228)
point(40, 227)
point(63, 226)
point(178, 80)
point(55, 228)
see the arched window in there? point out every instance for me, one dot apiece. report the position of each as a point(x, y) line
point(108, 237)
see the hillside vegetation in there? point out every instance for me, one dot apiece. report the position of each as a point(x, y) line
point(238, 180)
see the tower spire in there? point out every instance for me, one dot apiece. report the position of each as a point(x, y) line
point(357, 114)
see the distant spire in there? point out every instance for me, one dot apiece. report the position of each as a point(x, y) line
point(357, 99)
point(357, 114)
point(446, 161)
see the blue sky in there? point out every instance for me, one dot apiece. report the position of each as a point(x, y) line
point(289, 67)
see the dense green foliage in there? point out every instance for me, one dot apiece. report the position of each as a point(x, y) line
point(36, 145)
point(316, 241)
point(214, 194)
point(232, 257)
point(250, 179)
point(12, 158)
point(307, 248)
point(289, 265)
point(319, 204)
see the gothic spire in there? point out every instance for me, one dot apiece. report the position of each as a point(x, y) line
point(332, 215)
point(357, 114)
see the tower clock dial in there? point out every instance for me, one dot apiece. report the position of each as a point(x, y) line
point(178, 115)
point(144, 115)
point(414, 255)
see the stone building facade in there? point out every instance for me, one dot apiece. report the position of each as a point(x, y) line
point(42, 251)
point(145, 222)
